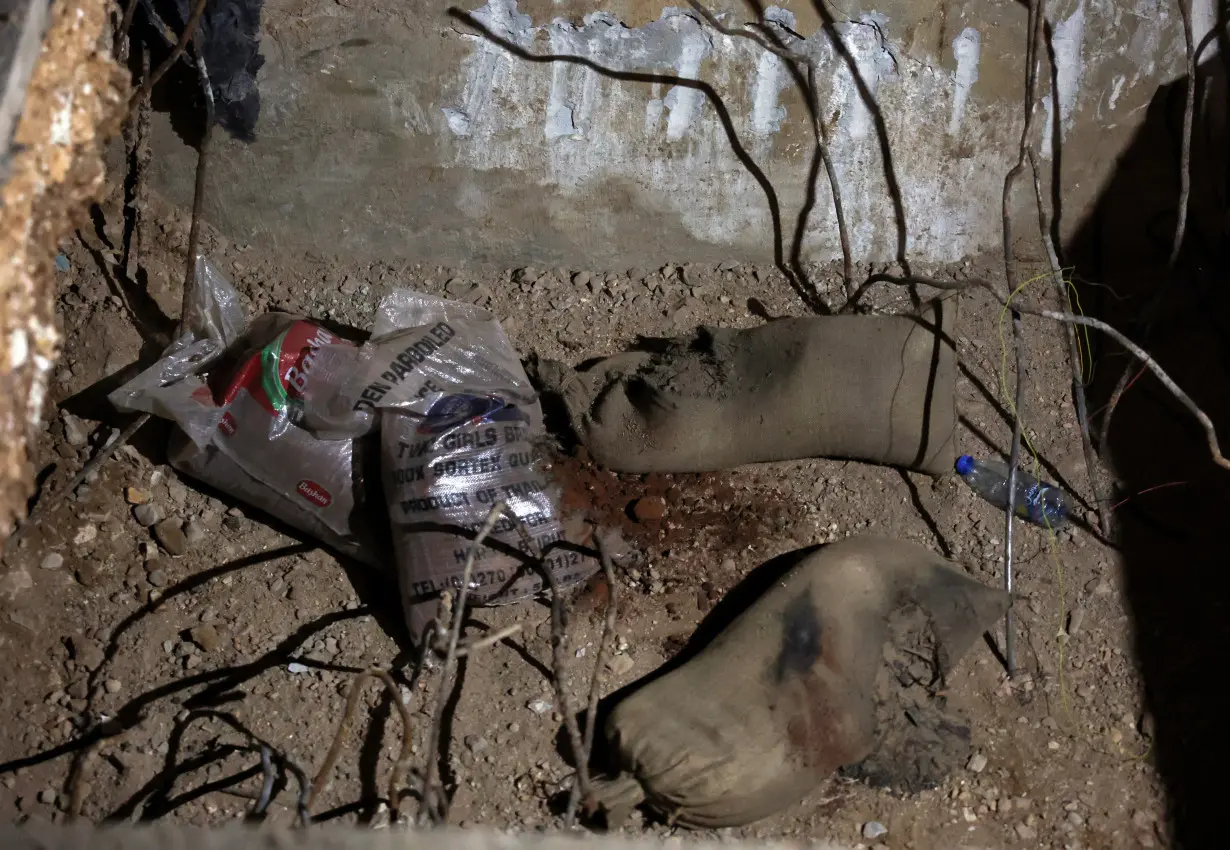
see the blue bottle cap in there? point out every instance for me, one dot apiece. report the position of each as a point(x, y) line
point(965, 465)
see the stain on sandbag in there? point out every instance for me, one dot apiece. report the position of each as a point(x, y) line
point(801, 634)
point(747, 725)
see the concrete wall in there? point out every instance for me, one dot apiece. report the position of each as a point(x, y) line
point(401, 134)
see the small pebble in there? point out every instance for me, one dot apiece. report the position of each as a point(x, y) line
point(145, 514)
point(1075, 620)
point(475, 744)
point(47, 796)
point(75, 431)
point(194, 532)
point(539, 706)
point(112, 686)
point(85, 534)
point(296, 668)
point(1026, 833)
point(1053, 746)
point(977, 763)
point(618, 665)
point(873, 829)
point(53, 561)
point(205, 636)
point(157, 578)
point(170, 534)
point(135, 496)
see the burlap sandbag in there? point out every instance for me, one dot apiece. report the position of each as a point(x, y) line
point(877, 388)
point(787, 693)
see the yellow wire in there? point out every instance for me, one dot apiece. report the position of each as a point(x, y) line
point(1037, 472)
point(1074, 304)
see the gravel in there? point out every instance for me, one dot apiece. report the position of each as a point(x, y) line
point(977, 763)
point(53, 561)
point(873, 829)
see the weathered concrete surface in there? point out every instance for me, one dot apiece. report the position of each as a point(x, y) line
point(404, 134)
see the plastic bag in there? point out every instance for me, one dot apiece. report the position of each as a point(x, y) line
point(459, 423)
point(237, 398)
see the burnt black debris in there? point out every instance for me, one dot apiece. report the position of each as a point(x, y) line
point(229, 36)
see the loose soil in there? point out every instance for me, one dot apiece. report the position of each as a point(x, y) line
point(254, 635)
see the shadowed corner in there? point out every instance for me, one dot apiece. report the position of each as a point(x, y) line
point(1171, 541)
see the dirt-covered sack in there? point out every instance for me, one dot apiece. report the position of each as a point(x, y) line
point(786, 693)
point(236, 395)
point(459, 428)
point(876, 388)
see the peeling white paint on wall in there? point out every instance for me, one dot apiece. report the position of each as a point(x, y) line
point(502, 18)
point(567, 128)
point(866, 44)
point(772, 77)
point(1068, 42)
point(767, 116)
point(966, 48)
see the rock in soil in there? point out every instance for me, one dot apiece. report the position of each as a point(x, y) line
point(170, 534)
point(86, 652)
point(619, 664)
point(194, 532)
point(649, 509)
point(53, 561)
point(145, 514)
point(206, 637)
point(76, 433)
point(874, 829)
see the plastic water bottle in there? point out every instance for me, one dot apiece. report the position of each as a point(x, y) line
point(1036, 501)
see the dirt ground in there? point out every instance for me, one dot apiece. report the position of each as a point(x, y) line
point(255, 629)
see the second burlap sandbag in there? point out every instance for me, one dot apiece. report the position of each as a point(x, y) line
point(876, 388)
point(807, 680)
